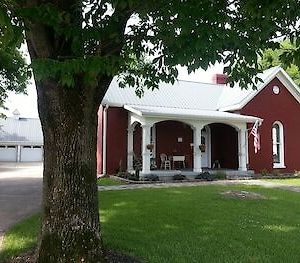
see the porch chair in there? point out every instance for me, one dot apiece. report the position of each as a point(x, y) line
point(165, 162)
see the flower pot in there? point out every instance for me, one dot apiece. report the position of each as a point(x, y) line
point(150, 146)
point(202, 147)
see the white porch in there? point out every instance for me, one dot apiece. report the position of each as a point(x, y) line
point(198, 120)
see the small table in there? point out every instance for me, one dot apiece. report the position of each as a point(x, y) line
point(179, 158)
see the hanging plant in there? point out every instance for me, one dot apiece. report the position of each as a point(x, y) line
point(202, 147)
point(150, 146)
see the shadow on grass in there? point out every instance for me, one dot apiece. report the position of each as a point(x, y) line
point(190, 224)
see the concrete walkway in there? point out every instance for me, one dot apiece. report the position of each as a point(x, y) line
point(20, 193)
point(202, 183)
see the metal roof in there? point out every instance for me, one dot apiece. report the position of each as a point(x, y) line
point(21, 130)
point(187, 94)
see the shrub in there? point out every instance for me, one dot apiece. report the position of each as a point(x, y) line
point(151, 177)
point(276, 172)
point(128, 176)
point(179, 177)
point(220, 175)
point(264, 172)
point(205, 176)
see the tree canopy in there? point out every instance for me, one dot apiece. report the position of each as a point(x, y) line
point(168, 33)
point(275, 57)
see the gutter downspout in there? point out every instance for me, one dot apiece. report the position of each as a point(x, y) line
point(104, 143)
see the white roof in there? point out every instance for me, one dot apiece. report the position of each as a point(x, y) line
point(183, 94)
point(196, 95)
point(22, 130)
point(152, 111)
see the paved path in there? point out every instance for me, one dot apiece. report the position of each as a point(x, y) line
point(20, 193)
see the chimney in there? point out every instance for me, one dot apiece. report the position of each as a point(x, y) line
point(16, 114)
point(219, 78)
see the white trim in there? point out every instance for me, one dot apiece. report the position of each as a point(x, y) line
point(197, 130)
point(154, 140)
point(131, 109)
point(188, 114)
point(104, 143)
point(242, 148)
point(281, 163)
point(283, 77)
point(278, 166)
point(209, 145)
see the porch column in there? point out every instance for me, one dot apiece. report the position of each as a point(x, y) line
point(130, 131)
point(197, 151)
point(242, 133)
point(145, 152)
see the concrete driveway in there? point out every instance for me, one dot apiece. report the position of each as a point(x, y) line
point(20, 192)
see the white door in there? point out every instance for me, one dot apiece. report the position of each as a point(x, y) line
point(204, 149)
point(8, 153)
point(31, 153)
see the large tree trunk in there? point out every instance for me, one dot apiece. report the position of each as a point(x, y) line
point(70, 225)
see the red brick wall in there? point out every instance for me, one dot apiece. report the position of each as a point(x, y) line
point(167, 133)
point(224, 145)
point(117, 123)
point(271, 107)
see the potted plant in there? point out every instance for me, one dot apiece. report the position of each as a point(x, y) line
point(150, 146)
point(202, 147)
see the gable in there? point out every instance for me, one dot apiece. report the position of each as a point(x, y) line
point(268, 100)
point(285, 82)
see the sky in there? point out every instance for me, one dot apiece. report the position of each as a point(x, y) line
point(27, 104)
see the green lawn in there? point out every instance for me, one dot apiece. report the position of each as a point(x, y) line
point(192, 224)
point(292, 181)
point(106, 181)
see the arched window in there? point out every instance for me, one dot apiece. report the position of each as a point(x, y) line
point(278, 145)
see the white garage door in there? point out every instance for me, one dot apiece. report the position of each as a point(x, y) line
point(8, 153)
point(31, 153)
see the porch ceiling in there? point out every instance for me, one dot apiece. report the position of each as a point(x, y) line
point(152, 111)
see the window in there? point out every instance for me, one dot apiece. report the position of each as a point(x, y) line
point(278, 146)
point(11, 147)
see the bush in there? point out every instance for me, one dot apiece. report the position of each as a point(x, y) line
point(205, 176)
point(264, 172)
point(151, 177)
point(128, 176)
point(220, 175)
point(276, 172)
point(179, 177)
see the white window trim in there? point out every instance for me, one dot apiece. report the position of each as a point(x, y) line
point(281, 164)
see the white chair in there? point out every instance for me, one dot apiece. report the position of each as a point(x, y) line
point(164, 162)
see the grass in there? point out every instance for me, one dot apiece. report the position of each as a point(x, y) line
point(291, 181)
point(106, 181)
point(192, 224)
point(21, 237)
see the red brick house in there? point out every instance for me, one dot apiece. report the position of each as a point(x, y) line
point(202, 126)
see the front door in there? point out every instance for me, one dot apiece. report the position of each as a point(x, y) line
point(204, 148)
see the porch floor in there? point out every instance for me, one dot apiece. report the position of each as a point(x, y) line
point(166, 175)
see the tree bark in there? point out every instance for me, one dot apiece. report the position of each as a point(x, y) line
point(70, 225)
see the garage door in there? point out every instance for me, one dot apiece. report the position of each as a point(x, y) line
point(8, 153)
point(31, 153)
